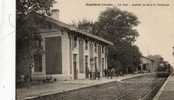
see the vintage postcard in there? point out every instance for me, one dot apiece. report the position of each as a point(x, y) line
point(94, 49)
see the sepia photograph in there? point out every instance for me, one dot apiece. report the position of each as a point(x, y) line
point(94, 50)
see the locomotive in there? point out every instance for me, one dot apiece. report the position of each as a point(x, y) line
point(164, 69)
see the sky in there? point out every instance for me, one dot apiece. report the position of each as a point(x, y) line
point(157, 22)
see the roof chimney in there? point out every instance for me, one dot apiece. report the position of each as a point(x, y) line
point(55, 14)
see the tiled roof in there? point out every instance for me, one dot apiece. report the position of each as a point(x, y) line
point(72, 28)
point(147, 58)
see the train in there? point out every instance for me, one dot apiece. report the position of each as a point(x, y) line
point(164, 69)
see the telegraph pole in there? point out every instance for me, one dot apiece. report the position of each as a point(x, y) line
point(173, 51)
point(173, 56)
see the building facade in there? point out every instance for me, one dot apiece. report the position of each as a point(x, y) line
point(69, 53)
point(147, 64)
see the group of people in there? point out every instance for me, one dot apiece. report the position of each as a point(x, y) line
point(93, 75)
point(97, 75)
point(109, 72)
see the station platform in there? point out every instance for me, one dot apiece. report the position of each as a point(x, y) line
point(62, 86)
point(167, 90)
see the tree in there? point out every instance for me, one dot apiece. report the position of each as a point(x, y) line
point(25, 8)
point(26, 30)
point(87, 26)
point(28, 6)
point(118, 27)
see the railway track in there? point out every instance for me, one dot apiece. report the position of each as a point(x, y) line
point(139, 88)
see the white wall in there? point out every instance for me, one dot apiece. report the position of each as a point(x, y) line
point(65, 54)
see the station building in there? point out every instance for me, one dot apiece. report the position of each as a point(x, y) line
point(69, 53)
point(147, 64)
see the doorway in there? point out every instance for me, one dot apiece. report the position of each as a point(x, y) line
point(53, 55)
point(75, 66)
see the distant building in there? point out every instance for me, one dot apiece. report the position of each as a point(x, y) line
point(69, 53)
point(147, 64)
point(157, 60)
